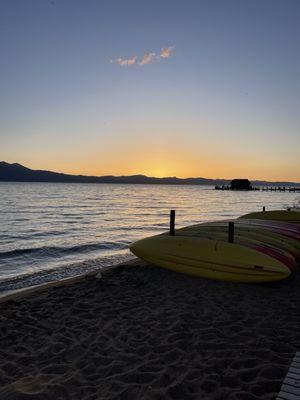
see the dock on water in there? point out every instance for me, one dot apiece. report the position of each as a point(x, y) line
point(281, 189)
point(266, 189)
point(245, 185)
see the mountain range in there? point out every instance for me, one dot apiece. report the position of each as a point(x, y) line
point(18, 173)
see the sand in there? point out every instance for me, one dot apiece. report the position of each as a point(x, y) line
point(146, 333)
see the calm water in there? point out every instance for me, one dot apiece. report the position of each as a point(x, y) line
point(52, 230)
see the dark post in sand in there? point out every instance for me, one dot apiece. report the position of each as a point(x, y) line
point(230, 232)
point(172, 223)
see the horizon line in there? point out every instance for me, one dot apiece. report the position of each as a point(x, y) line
point(147, 176)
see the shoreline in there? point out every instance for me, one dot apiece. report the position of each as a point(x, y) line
point(27, 291)
point(141, 332)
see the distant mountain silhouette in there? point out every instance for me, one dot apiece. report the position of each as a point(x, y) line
point(18, 173)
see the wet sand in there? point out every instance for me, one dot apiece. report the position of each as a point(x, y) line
point(142, 332)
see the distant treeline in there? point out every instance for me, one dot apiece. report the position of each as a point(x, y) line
point(18, 173)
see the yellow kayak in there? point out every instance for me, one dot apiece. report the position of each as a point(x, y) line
point(210, 258)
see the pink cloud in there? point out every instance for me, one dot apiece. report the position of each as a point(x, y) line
point(166, 52)
point(126, 61)
point(147, 58)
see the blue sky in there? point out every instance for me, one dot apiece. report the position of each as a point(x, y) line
point(224, 103)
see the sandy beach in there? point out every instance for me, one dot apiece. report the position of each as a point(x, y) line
point(140, 332)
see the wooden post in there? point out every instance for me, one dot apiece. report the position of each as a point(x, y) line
point(172, 223)
point(264, 208)
point(230, 232)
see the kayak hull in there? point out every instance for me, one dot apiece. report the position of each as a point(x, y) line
point(208, 258)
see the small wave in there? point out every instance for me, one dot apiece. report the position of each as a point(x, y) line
point(47, 251)
point(30, 235)
point(65, 271)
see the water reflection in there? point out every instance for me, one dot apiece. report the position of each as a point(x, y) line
point(88, 221)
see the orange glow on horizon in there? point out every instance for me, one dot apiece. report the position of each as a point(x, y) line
point(159, 167)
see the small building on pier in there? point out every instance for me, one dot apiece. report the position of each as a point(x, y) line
point(237, 184)
point(240, 184)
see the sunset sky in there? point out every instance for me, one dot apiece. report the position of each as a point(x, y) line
point(162, 88)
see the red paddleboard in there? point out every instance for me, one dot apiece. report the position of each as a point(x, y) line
point(290, 262)
point(275, 224)
point(274, 228)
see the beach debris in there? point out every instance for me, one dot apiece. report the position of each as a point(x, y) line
point(99, 275)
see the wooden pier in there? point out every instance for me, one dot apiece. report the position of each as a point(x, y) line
point(265, 188)
point(290, 389)
point(227, 187)
point(245, 185)
point(281, 189)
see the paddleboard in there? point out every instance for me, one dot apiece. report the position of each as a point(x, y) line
point(209, 258)
point(290, 216)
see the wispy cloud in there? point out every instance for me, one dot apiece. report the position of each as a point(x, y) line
point(147, 58)
point(126, 61)
point(167, 52)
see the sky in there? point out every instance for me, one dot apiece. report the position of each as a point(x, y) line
point(206, 88)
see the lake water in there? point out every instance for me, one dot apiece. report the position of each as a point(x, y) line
point(53, 230)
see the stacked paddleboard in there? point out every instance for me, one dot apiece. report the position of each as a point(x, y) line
point(290, 216)
point(263, 249)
